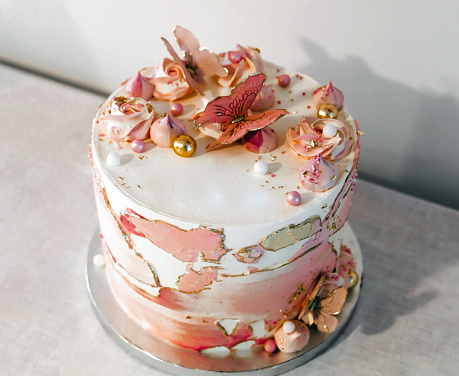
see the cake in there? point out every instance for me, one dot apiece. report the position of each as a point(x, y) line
point(222, 186)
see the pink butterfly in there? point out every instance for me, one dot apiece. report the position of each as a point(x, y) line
point(327, 308)
point(197, 62)
point(232, 112)
point(322, 311)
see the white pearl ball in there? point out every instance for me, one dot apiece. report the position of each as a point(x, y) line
point(329, 131)
point(260, 168)
point(98, 260)
point(288, 327)
point(114, 159)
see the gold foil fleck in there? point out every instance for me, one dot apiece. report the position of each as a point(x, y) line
point(300, 289)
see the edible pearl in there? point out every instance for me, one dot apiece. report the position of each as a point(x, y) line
point(234, 57)
point(327, 110)
point(98, 260)
point(353, 279)
point(270, 345)
point(283, 80)
point(176, 109)
point(113, 159)
point(138, 146)
point(329, 131)
point(294, 198)
point(260, 168)
point(288, 327)
point(184, 146)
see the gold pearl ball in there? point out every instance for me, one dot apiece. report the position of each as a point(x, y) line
point(184, 146)
point(353, 279)
point(327, 110)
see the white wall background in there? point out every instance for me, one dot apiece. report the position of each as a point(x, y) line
point(397, 62)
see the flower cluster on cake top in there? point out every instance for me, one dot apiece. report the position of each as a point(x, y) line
point(244, 114)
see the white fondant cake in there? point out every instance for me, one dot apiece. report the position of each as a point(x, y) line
point(204, 251)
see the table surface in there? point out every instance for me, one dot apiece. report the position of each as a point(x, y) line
point(406, 322)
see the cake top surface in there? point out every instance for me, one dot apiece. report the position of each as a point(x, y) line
point(219, 187)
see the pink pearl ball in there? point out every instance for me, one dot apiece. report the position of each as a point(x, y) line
point(176, 109)
point(294, 198)
point(283, 80)
point(270, 346)
point(138, 146)
point(234, 56)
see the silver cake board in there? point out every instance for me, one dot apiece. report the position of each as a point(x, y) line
point(179, 361)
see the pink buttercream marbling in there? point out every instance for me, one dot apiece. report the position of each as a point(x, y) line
point(195, 281)
point(175, 317)
point(115, 242)
point(184, 245)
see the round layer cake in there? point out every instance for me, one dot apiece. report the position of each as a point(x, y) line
point(206, 252)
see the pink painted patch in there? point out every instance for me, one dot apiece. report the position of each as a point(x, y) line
point(184, 245)
point(129, 227)
point(193, 281)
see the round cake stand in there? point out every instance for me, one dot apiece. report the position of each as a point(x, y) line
point(179, 361)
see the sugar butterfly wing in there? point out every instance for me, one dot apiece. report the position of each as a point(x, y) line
point(191, 81)
point(329, 307)
point(203, 60)
point(232, 108)
point(235, 131)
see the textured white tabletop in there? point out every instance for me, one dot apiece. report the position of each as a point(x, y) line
point(406, 323)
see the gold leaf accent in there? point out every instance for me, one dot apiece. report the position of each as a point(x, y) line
point(288, 235)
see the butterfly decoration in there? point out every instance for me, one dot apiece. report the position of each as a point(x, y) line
point(198, 62)
point(322, 311)
point(232, 112)
point(326, 309)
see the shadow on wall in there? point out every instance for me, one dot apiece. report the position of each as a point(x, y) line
point(411, 136)
point(410, 144)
